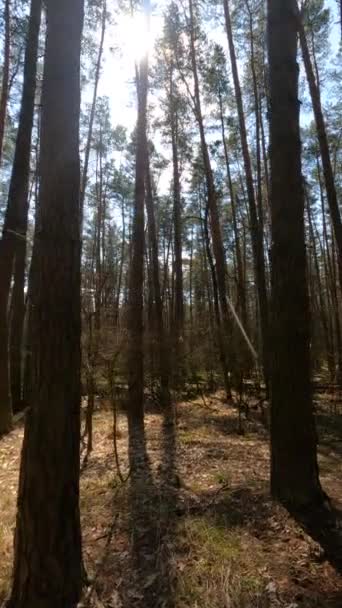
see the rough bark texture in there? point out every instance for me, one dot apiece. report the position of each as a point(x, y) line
point(15, 224)
point(294, 470)
point(47, 564)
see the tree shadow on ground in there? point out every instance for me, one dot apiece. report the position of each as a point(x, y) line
point(225, 423)
point(240, 507)
point(254, 510)
point(324, 526)
point(267, 521)
point(152, 517)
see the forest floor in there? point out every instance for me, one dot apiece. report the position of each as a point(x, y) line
point(195, 526)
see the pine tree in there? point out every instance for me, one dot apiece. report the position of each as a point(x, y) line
point(294, 469)
point(47, 562)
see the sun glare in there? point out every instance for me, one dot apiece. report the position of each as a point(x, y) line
point(138, 38)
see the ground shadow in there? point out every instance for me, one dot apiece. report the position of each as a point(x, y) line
point(257, 512)
point(324, 526)
point(151, 515)
point(239, 507)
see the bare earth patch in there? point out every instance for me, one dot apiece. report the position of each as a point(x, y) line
point(195, 527)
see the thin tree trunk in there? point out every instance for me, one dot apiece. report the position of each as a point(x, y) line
point(84, 179)
point(152, 232)
point(264, 153)
point(336, 312)
point(191, 271)
point(48, 558)
point(5, 74)
point(240, 273)
point(294, 469)
point(255, 223)
point(257, 121)
point(219, 334)
point(122, 257)
point(177, 222)
point(15, 223)
point(17, 327)
point(28, 337)
point(323, 146)
point(218, 248)
point(98, 278)
point(136, 278)
point(322, 310)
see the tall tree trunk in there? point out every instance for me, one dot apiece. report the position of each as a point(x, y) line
point(28, 333)
point(158, 304)
point(48, 559)
point(264, 152)
point(294, 469)
point(17, 318)
point(240, 273)
point(84, 178)
point(122, 258)
point(177, 222)
point(330, 278)
point(320, 292)
point(257, 121)
point(219, 333)
point(5, 74)
point(336, 311)
point(136, 277)
point(15, 223)
point(218, 249)
point(255, 223)
point(98, 274)
point(323, 146)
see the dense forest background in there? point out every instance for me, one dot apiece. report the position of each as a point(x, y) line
point(170, 205)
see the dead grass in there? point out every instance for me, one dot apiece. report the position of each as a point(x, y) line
point(200, 532)
point(9, 467)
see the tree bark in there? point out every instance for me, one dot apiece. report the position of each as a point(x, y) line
point(294, 469)
point(48, 560)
